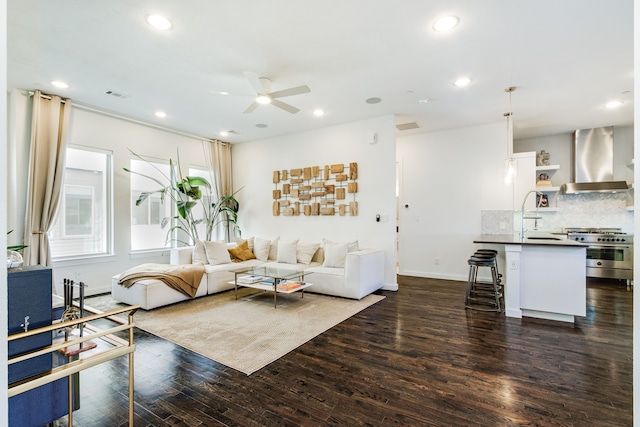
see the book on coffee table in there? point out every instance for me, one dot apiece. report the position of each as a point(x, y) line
point(289, 285)
point(250, 278)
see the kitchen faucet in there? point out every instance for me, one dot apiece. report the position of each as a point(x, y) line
point(522, 217)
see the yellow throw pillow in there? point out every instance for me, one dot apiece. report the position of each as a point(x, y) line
point(242, 252)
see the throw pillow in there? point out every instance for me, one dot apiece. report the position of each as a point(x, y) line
point(250, 241)
point(306, 251)
point(335, 254)
point(217, 253)
point(241, 252)
point(287, 251)
point(199, 253)
point(273, 249)
point(353, 245)
point(261, 248)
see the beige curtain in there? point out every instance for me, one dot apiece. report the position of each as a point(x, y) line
point(218, 155)
point(49, 132)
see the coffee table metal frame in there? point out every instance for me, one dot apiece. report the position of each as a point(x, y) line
point(267, 279)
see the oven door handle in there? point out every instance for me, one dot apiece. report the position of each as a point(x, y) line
point(609, 246)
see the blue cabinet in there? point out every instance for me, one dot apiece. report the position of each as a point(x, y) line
point(29, 307)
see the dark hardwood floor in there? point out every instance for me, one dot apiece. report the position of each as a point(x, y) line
point(416, 358)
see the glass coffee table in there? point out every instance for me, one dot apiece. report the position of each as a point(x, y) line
point(276, 280)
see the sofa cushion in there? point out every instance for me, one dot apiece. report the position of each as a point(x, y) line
point(287, 251)
point(335, 254)
point(353, 245)
point(217, 253)
point(199, 253)
point(261, 248)
point(242, 252)
point(305, 252)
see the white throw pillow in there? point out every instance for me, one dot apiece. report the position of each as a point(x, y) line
point(199, 253)
point(353, 245)
point(273, 249)
point(261, 248)
point(287, 251)
point(306, 251)
point(217, 253)
point(335, 254)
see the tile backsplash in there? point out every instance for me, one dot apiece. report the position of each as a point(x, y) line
point(573, 210)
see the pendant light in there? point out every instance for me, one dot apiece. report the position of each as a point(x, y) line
point(510, 164)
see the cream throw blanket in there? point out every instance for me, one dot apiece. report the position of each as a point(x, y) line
point(184, 278)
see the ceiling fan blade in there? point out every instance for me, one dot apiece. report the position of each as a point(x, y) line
point(255, 82)
point(289, 92)
point(251, 107)
point(285, 107)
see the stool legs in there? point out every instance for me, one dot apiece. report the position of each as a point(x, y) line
point(483, 296)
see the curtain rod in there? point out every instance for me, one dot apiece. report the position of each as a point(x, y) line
point(129, 119)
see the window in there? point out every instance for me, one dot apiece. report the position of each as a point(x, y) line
point(83, 224)
point(207, 197)
point(146, 219)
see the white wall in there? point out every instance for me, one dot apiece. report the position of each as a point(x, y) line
point(97, 130)
point(254, 163)
point(447, 179)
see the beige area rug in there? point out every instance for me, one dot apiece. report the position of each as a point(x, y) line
point(246, 334)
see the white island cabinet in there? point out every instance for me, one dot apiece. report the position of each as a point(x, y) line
point(545, 276)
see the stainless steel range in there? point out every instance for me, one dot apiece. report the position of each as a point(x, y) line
point(609, 254)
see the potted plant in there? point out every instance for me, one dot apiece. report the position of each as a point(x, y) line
point(185, 192)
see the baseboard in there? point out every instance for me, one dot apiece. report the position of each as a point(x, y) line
point(390, 287)
point(434, 275)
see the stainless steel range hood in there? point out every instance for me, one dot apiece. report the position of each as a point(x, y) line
point(592, 169)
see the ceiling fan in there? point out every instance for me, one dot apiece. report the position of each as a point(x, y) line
point(262, 86)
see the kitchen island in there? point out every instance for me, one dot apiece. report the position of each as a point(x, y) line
point(544, 275)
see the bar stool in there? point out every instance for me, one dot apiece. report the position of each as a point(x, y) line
point(483, 296)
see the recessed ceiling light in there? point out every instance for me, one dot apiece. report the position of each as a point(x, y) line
point(223, 93)
point(160, 114)
point(613, 104)
point(445, 23)
point(261, 125)
point(263, 99)
point(60, 84)
point(158, 22)
point(462, 82)
point(318, 112)
point(423, 100)
point(224, 133)
point(373, 100)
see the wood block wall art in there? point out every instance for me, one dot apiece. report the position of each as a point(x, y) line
point(314, 190)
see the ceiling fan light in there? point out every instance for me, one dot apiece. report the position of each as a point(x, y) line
point(263, 99)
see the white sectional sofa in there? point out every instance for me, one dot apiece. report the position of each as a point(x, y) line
point(347, 272)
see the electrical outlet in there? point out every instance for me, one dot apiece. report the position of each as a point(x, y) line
point(78, 275)
point(513, 265)
point(437, 261)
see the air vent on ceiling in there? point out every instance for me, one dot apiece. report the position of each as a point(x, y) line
point(407, 126)
point(117, 94)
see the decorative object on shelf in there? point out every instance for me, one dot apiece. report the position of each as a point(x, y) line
point(186, 193)
point(543, 180)
point(542, 200)
point(14, 257)
point(542, 158)
point(314, 191)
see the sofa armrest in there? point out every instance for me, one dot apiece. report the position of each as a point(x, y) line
point(364, 272)
point(179, 256)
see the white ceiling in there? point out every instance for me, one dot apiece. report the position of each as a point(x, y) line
point(567, 58)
